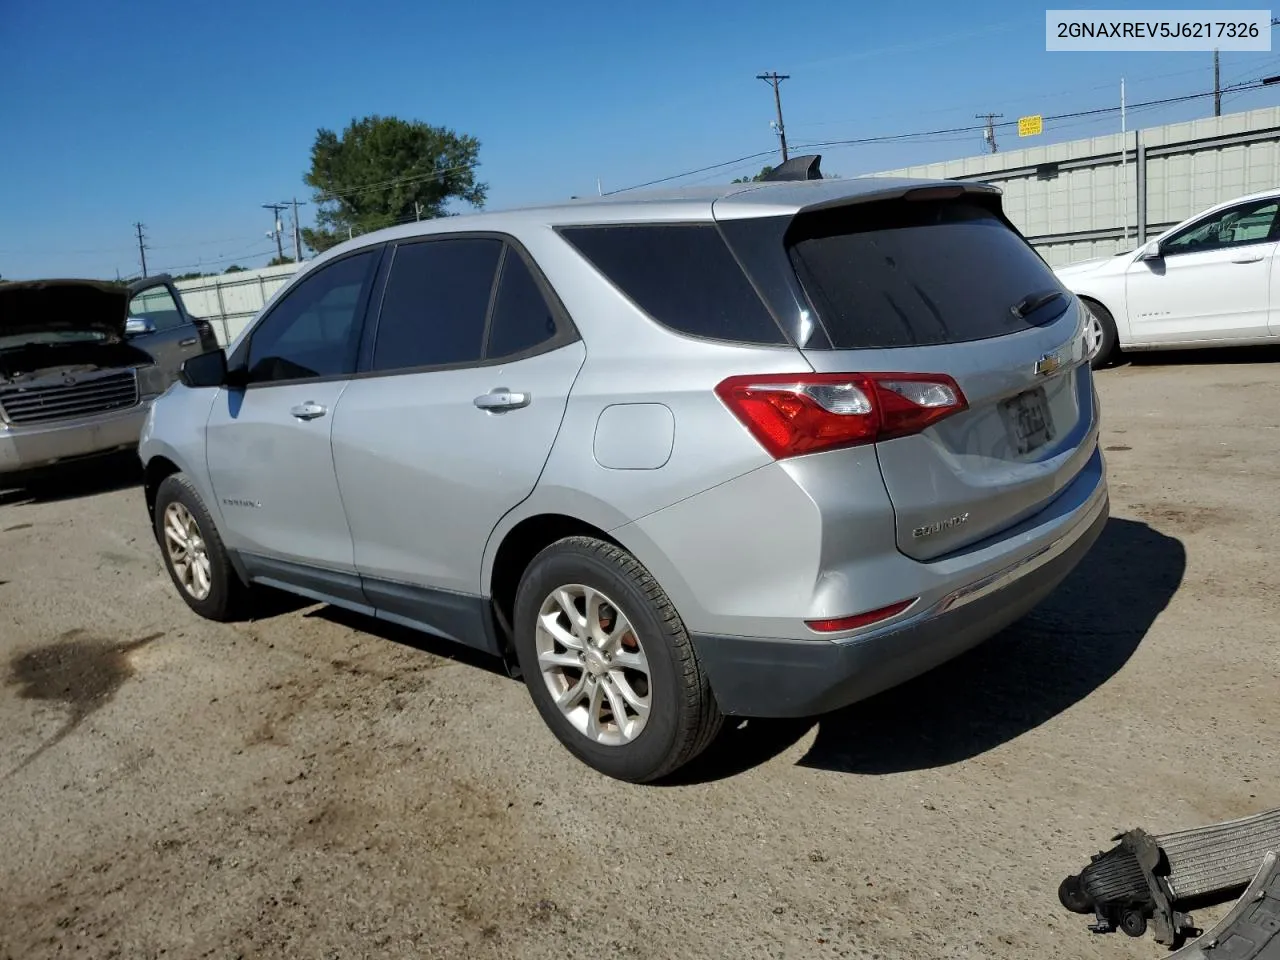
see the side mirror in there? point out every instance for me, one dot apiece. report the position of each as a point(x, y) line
point(138, 326)
point(205, 369)
point(1151, 251)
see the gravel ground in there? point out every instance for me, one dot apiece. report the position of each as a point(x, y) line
point(314, 784)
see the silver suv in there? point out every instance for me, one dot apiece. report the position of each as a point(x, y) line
point(759, 450)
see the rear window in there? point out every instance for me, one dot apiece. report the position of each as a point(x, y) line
point(683, 276)
point(913, 273)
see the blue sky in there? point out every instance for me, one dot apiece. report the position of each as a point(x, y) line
point(188, 117)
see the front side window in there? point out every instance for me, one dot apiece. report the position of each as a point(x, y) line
point(1249, 223)
point(157, 305)
point(435, 304)
point(314, 331)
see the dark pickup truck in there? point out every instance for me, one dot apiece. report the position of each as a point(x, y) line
point(80, 363)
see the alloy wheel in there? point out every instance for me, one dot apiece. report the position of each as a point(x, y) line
point(594, 664)
point(186, 549)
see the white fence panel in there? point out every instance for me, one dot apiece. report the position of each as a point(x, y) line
point(231, 300)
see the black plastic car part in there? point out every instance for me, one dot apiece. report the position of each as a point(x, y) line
point(807, 167)
point(1251, 931)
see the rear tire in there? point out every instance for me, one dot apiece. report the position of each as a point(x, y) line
point(594, 631)
point(1101, 330)
point(194, 555)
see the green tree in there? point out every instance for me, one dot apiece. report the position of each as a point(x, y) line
point(234, 268)
point(280, 261)
point(384, 170)
point(764, 172)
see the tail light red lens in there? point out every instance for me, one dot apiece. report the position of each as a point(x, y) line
point(839, 624)
point(794, 414)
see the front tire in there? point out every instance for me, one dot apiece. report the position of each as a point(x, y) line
point(609, 664)
point(194, 554)
point(1100, 333)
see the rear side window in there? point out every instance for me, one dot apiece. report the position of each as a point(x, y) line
point(521, 317)
point(914, 273)
point(683, 276)
point(433, 310)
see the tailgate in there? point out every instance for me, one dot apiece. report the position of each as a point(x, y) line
point(1020, 442)
point(945, 285)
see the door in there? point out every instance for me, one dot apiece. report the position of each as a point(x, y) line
point(1211, 281)
point(470, 371)
point(164, 331)
point(269, 452)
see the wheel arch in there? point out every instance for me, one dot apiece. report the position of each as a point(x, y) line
point(515, 550)
point(1122, 329)
point(154, 472)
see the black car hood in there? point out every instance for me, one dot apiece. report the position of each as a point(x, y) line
point(42, 306)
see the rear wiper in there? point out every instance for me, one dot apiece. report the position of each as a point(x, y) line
point(1034, 301)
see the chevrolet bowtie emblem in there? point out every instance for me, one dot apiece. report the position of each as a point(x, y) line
point(1047, 365)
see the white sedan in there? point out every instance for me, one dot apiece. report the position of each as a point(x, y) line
point(1205, 283)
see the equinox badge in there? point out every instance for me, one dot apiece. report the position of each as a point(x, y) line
point(930, 529)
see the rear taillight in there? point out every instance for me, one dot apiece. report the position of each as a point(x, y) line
point(794, 414)
point(838, 624)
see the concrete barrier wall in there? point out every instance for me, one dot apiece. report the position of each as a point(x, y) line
point(1103, 195)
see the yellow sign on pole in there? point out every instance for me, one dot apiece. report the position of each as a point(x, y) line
point(1030, 126)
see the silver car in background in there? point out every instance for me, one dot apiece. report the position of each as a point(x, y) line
point(758, 450)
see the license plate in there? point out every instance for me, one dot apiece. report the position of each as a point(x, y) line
point(1028, 420)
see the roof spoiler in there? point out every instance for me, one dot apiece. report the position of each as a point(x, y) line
point(797, 168)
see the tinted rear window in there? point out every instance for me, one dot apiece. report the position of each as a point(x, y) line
point(436, 299)
point(683, 276)
point(913, 273)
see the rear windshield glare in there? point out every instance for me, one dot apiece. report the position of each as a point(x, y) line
point(905, 273)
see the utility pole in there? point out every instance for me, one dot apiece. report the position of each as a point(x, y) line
point(989, 134)
point(775, 79)
point(1124, 171)
point(1217, 86)
point(275, 209)
point(297, 232)
point(142, 248)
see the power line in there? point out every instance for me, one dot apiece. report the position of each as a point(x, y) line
point(407, 178)
point(220, 260)
point(689, 173)
point(1098, 111)
point(943, 132)
point(774, 79)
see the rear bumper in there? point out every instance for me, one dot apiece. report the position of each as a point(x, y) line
point(799, 678)
point(39, 446)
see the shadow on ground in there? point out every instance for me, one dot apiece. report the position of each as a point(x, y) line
point(83, 478)
point(1203, 357)
point(424, 642)
point(1066, 648)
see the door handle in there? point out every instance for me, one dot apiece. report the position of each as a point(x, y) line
point(1248, 259)
point(189, 342)
point(309, 410)
point(500, 398)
